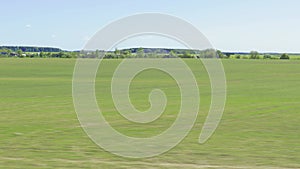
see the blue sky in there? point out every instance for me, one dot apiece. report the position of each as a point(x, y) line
point(230, 25)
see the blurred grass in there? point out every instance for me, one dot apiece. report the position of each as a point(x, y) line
point(260, 125)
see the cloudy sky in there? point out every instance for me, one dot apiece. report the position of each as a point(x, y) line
point(230, 25)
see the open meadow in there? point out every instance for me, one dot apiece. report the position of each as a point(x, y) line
point(260, 127)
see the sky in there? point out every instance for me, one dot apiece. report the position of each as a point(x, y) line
point(230, 25)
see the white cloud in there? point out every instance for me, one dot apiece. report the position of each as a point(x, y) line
point(53, 36)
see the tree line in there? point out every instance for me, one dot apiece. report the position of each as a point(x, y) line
point(252, 55)
point(47, 52)
point(30, 49)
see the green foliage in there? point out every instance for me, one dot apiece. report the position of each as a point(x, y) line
point(117, 52)
point(284, 56)
point(245, 57)
point(140, 53)
point(220, 54)
point(4, 52)
point(208, 53)
point(41, 54)
point(126, 53)
point(172, 54)
point(187, 54)
point(19, 52)
point(151, 55)
point(137, 53)
point(31, 49)
point(254, 55)
point(110, 56)
point(267, 56)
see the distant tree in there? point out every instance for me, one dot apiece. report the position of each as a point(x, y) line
point(9, 51)
point(126, 53)
point(5, 52)
point(32, 55)
point(140, 53)
point(150, 55)
point(208, 53)
point(172, 54)
point(74, 55)
point(254, 55)
point(220, 54)
point(48, 54)
point(109, 55)
point(228, 54)
point(267, 56)
point(284, 56)
point(19, 52)
point(244, 57)
point(41, 54)
point(97, 53)
point(187, 54)
point(117, 52)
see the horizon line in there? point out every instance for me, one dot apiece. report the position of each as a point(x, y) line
point(124, 48)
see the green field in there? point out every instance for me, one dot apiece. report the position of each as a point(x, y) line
point(260, 127)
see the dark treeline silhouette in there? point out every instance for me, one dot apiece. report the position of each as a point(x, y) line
point(31, 49)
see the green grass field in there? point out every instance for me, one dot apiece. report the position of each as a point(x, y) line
point(260, 126)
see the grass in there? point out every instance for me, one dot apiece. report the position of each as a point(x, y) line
point(260, 127)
